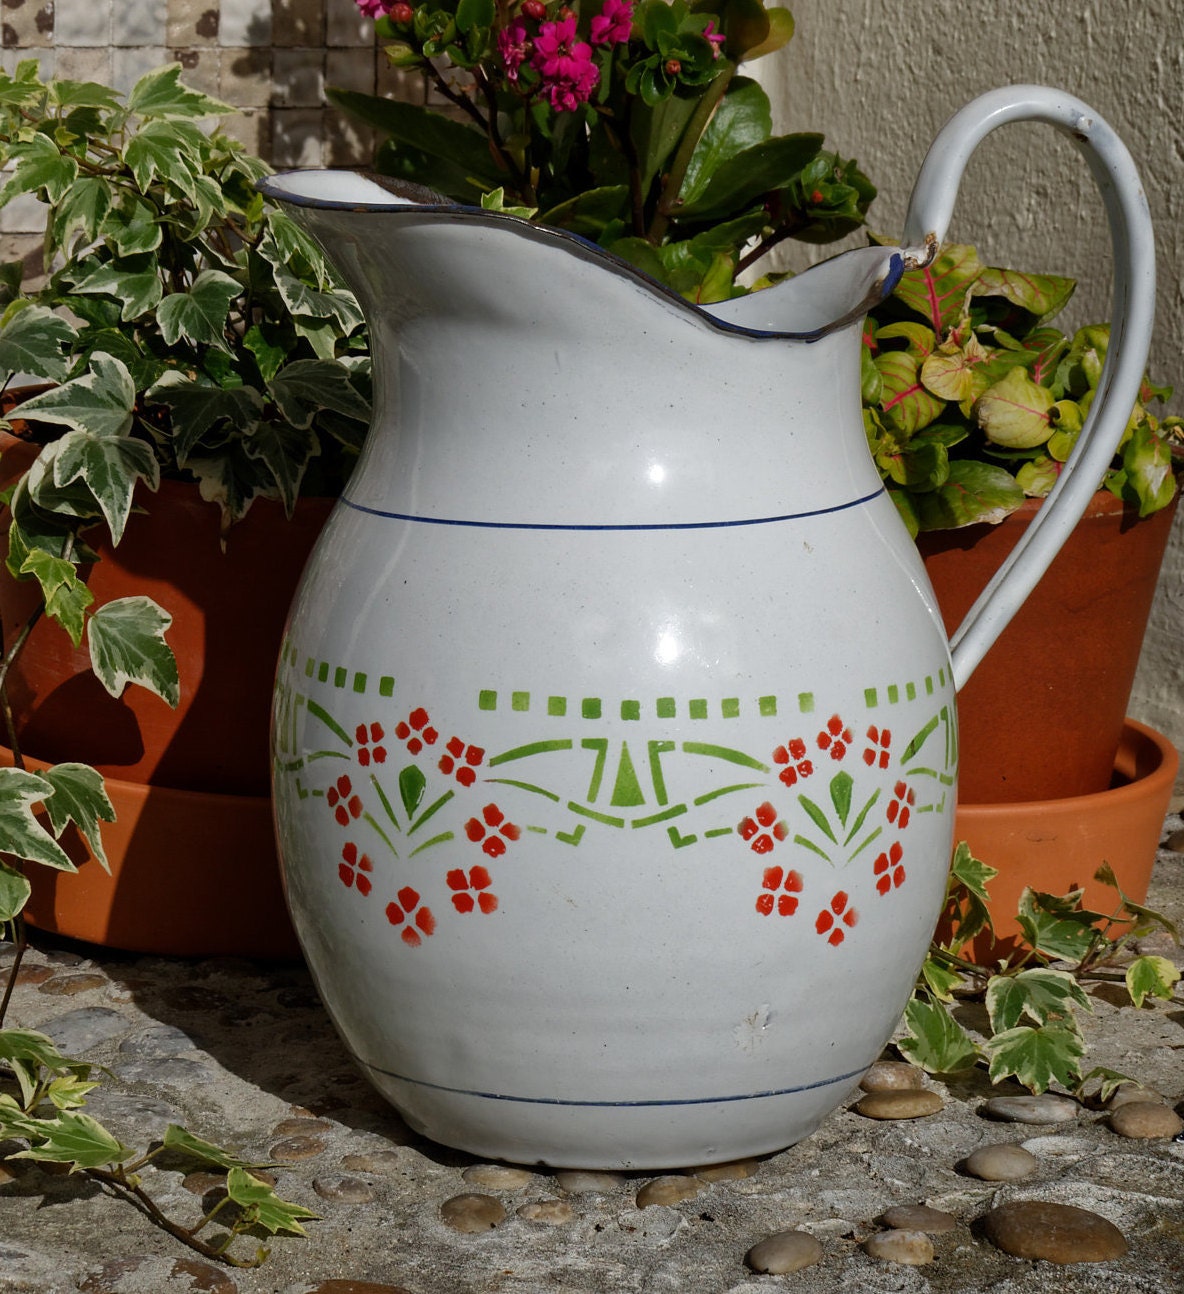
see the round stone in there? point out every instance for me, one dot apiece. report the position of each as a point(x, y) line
point(1146, 1119)
point(1058, 1233)
point(160, 1041)
point(300, 1127)
point(668, 1190)
point(734, 1171)
point(201, 1182)
point(292, 1149)
point(79, 1030)
point(1130, 1093)
point(70, 985)
point(586, 1182)
point(891, 1076)
point(553, 1213)
point(33, 975)
point(918, 1217)
point(471, 1214)
point(901, 1103)
point(909, 1248)
point(1031, 1109)
point(347, 1287)
point(1001, 1163)
point(497, 1177)
point(174, 1275)
point(343, 1190)
point(784, 1252)
point(374, 1161)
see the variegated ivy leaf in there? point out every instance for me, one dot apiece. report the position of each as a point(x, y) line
point(20, 832)
point(66, 596)
point(83, 209)
point(199, 315)
point(286, 450)
point(262, 1206)
point(1037, 1056)
point(100, 401)
point(936, 1041)
point(198, 407)
point(1150, 976)
point(232, 480)
point(127, 645)
point(301, 389)
point(33, 339)
point(73, 1138)
point(333, 304)
point(37, 163)
point(109, 467)
point(1041, 994)
point(286, 244)
point(165, 151)
point(186, 1143)
point(79, 796)
point(14, 891)
point(1014, 412)
point(137, 293)
point(159, 93)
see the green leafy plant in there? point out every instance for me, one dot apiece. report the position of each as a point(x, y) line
point(624, 122)
point(973, 401)
point(1033, 1000)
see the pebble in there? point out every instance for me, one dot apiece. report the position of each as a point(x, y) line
point(1058, 1233)
point(7, 1174)
point(737, 1170)
point(85, 1027)
point(891, 1076)
point(471, 1214)
point(668, 1190)
point(69, 985)
point(785, 1252)
point(578, 1181)
point(1129, 1093)
point(133, 1274)
point(33, 975)
point(202, 1182)
point(1146, 1119)
point(171, 1071)
point(1175, 842)
point(1159, 943)
point(192, 997)
point(373, 1161)
point(551, 1212)
point(1031, 1109)
point(1001, 1163)
point(497, 1177)
point(899, 1103)
point(158, 1042)
point(344, 1190)
point(346, 1287)
point(909, 1248)
point(918, 1217)
point(301, 1126)
point(296, 1148)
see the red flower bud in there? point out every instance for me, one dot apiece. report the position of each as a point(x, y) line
point(401, 13)
point(535, 9)
point(673, 67)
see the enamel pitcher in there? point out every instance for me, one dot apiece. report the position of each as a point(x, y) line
point(614, 737)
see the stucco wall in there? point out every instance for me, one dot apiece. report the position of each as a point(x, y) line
point(879, 80)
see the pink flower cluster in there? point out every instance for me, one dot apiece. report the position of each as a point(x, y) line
point(564, 64)
point(372, 8)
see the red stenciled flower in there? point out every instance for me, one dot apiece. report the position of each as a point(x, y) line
point(763, 829)
point(342, 800)
point(831, 920)
point(787, 903)
point(613, 24)
point(417, 922)
point(835, 738)
point(888, 867)
point(490, 832)
point(478, 879)
point(794, 756)
point(901, 805)
point(565, 65)
point(877, 752)
point(514, 47)
point(416, 731)
point(368, 748)
point(354, 868)
point(456, 752)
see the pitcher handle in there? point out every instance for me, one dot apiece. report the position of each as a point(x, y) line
point(1133, 312)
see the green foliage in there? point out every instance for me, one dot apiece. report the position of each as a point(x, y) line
point(1033, 1006)
point(972, 401)
point(658, 150)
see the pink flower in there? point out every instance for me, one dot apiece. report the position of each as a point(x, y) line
point(565, 64)
point(372, 8)
point(513, 44)
point(613, 23)
point(709, 33)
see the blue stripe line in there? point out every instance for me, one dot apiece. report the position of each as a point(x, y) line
point(645, 525)
point(615, 1105)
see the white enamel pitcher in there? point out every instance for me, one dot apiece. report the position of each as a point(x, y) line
point(614, 734)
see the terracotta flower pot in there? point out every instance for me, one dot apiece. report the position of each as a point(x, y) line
point(194, 837)
point(1057, 845)
point(1041, 718)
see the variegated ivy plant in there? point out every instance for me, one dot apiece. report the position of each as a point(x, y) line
point(973, 400)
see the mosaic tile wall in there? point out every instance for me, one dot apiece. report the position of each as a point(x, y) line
point(271, 58)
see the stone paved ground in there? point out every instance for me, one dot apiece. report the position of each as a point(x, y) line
point(242, 1053)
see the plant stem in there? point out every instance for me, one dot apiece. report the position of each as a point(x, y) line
point(20, 938)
